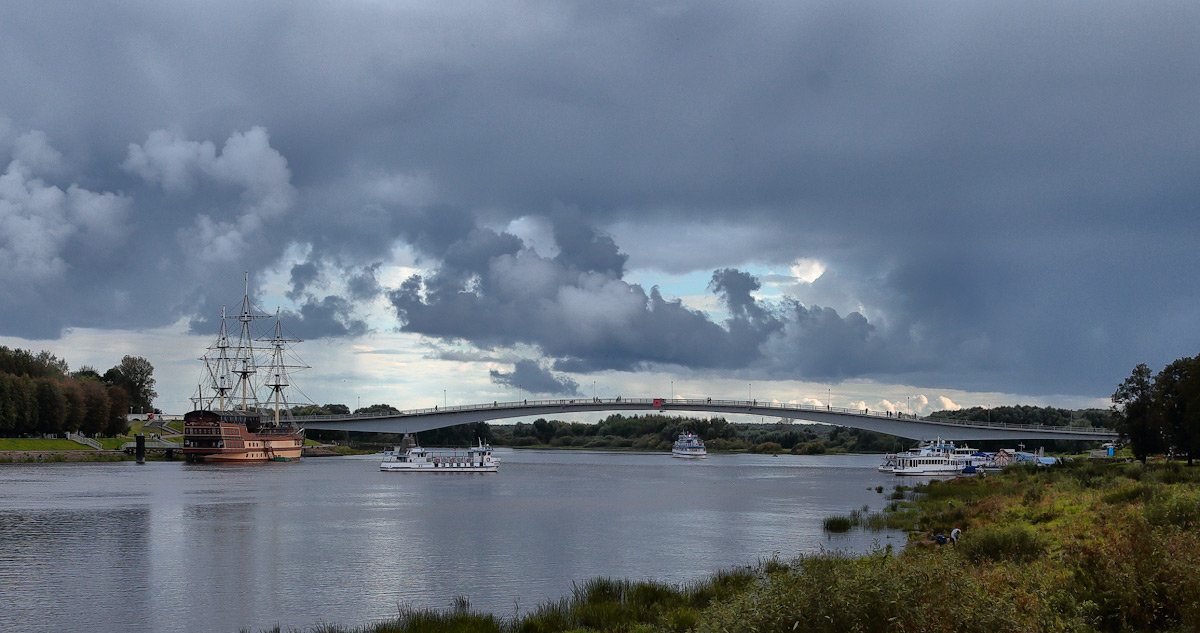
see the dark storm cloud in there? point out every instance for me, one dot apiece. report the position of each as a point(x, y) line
point(1004, 193)
point(582, 248)
point(302, 275)
point(319, 318)
point(363, 285)
point(589, 321)
point(313, 318)
point(528, 375)
point(585, 319)
point(735, 288)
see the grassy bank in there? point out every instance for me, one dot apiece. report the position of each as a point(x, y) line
point(1083, 547)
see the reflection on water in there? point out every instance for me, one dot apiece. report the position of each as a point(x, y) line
point(175, 547)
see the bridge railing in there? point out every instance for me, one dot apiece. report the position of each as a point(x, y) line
point(683, 403)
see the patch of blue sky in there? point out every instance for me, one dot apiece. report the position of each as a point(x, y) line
point(693, 288)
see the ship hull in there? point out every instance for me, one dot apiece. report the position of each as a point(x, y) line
point(226, 437)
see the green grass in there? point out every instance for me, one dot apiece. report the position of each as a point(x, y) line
point(114, 443)
point(32, 444)
point(838, 523)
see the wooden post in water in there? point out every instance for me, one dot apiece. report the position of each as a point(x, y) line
point(141, 449)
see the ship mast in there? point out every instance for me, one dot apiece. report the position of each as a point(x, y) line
point(221, 380)
point(277, 376)
point(232, 371)
point(246, 368)
point(217, 370)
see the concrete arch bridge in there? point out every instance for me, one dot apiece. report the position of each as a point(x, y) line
point(901, 425)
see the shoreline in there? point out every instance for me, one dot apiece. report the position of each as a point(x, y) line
point(86, 455)
point(63, 456)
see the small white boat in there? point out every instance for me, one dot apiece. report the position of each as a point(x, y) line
point(476, 459)
point(689, 446)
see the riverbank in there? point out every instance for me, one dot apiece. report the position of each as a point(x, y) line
point(1082, 547)
point(57, 454)
point(83, 455)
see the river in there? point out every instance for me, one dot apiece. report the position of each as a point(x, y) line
point(166, 546)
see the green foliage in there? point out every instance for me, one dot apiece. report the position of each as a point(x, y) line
point(1160, 413)
point(1180, 509)
point(136, 376)
point(657, 432)
point(1137, 493)
point(38, 395)
point(838, 523)
point(1013, 542)
point(1138, 578)
point(879, 592)
point(385, 409)
point(461, 435)
point(19, 362)
point(1027, 414)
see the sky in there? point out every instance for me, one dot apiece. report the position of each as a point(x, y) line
point(904, 206)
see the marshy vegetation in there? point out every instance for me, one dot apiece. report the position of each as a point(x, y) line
point(1082, 547)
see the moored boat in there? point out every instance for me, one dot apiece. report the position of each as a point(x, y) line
point(936, 458)
point(689, 446)
point(410, 459)
point(238, 437)
point(222, 429)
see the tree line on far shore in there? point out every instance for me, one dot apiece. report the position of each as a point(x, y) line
point(40, 395)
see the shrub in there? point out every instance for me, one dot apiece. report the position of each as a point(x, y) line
point(1015, 542)
point(1180, 508)
point(1129, 494)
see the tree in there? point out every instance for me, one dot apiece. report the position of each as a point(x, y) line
point(136, 376)
point(98, 407)
point(87, 372)
point(1134, 414)
point(76, 405)
point(24, 363)
point(1177, 402)
point(377, 409)
point(51, 406)
point(118, 401)
point(8, 404)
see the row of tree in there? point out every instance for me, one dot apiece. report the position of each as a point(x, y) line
point(39, 395)
point(1031, 415)
point(1160, 413)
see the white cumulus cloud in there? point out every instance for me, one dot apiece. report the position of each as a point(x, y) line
point(42, 227)
point(246, 162)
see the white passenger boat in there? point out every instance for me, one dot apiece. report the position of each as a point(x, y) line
point(689, 446)
point(476, 459)
point(937, 458)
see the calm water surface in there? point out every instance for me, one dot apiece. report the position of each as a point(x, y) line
point(174, 547)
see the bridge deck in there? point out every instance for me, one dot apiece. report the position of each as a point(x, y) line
point(902, 425)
